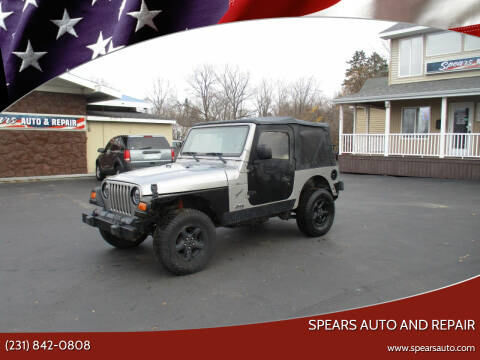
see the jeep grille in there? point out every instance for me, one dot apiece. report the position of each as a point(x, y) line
point(119, 198)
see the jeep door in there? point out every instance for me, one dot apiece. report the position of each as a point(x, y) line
point(271, 178)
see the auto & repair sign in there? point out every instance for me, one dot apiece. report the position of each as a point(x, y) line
point(46, 122)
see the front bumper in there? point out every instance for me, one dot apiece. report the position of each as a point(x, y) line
point(124, 227)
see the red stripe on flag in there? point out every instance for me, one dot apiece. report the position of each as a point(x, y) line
point(470, 30)
point(256, 9)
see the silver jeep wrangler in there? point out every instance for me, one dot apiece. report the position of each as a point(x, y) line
point(230, 173)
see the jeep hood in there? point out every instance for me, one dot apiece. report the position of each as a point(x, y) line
point(176, 177)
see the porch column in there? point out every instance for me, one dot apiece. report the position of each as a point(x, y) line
point(340, 129)
point(387, 128)
point(443, 126)
point(354, 130)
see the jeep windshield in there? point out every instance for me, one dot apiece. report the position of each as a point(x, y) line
point(216, 141)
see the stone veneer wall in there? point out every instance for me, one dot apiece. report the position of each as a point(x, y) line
point(44, 152)
point(37, 153)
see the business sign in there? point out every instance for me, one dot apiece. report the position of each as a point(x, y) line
point(454, 65)
point(45, 122)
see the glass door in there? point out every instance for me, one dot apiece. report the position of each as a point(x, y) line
point(461, 117)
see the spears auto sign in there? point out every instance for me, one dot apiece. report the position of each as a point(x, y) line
point(472, 63)
point(45, 122)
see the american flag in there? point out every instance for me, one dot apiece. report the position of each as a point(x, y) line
point(40, 39)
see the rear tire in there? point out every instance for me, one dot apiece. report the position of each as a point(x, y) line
point(122, 243)
point(185, 242)
point(98, 172)
point(315, 213)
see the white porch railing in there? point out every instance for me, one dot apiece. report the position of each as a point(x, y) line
point(424, 145)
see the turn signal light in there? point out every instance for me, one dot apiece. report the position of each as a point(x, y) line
point(142, 206)
point(126, 155)
point(93, 195)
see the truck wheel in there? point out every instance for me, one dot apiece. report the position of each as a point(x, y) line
point(185, 242)
point(315, 212)
point(98, 173)
point(122, 243)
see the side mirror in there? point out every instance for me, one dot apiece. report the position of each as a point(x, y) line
point(264, 152)
point(101, 150)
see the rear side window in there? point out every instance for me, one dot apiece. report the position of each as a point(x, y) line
point(154, 142)
point(278, 141)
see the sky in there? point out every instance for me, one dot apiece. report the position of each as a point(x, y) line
point(283, 49)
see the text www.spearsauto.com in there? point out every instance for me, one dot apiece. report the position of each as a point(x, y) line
point(430, 348)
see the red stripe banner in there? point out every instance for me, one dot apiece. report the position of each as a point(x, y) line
point(248, 9)
point(438, 324)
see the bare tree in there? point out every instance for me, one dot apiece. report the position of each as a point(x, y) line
point(304, 92)
point(162, 97)
point(234, 91)
point(203, 84)
point(282, 101)
point(264, 98)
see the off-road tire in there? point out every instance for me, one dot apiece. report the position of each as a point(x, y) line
point(308, 218)
point(170, 244)
point(98, 172)
point(122, 243)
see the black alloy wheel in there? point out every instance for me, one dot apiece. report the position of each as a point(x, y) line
point(315, 212)
point(190, 242)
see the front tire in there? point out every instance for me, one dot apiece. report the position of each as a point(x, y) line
point(315, 213)
point(185, 242)
point(122, 243)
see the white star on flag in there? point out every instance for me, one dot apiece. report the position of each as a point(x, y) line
point(94, 1)
point(3, 16)
point(144, 17)
point(122, 7)
point(111, 48)
point(99, 47)
point(29, 57)
point(29, 2)
point(66, 24)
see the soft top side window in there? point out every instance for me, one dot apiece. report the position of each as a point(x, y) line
point(278, 141)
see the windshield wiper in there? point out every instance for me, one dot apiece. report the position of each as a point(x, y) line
point(192, 153)
point(145, 148)
point(219, 156)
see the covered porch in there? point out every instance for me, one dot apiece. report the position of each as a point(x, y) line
point(455, 134)
point(414, 124)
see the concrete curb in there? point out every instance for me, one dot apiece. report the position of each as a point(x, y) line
point(45, 178)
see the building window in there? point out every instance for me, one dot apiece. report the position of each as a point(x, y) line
point(472, 43)
point(411, 56)
point(416, 120)
point(444, 43)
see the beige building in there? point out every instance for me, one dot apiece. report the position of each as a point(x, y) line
point(423, 119)
point(122, 116)
point(57, 129)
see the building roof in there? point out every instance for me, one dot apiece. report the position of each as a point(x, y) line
point(124, 101)
point(267, 121)
point(405, 29)
point(73, 84)
point(125, 116)
point(377, 89)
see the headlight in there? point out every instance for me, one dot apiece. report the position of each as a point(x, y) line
point(135, 194)
point(105, 191)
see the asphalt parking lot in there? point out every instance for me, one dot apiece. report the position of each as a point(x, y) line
point(392, 237)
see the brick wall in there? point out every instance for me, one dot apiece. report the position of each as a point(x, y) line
point(50, 103)
point(37, 153)
point(43, 152)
